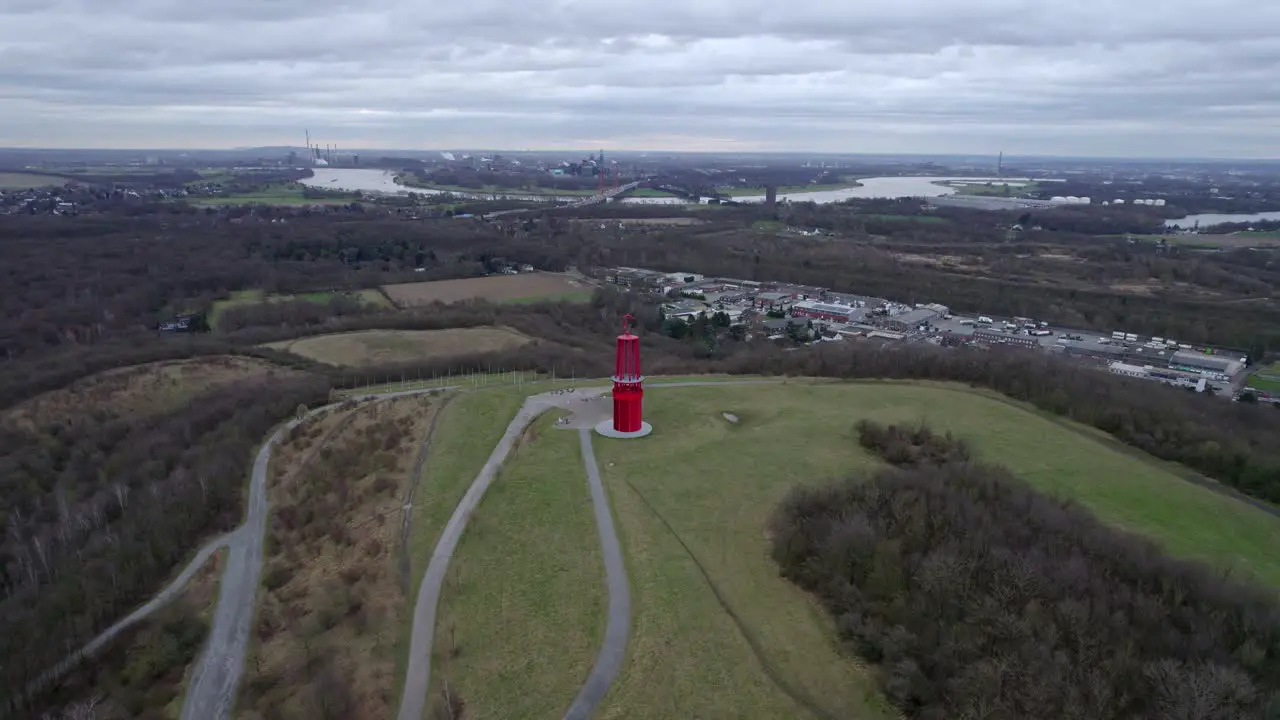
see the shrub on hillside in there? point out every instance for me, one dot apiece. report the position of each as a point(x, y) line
point(911, 446)
point(978, 597)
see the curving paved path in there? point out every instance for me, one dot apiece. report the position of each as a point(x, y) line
point(161, 599)
point(211, 693)
point(617, 629)
point(212, 690)
point(413, 701)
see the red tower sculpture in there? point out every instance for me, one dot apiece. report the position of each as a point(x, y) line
point(628, 383)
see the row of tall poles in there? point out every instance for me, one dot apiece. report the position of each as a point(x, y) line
point(470, 379)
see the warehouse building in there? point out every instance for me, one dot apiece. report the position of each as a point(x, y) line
point(827, 311)
point(1177, 378)
point(912, 319)
point(1213, 365)
point(857, 301)
point(1093, 350)
point(1119, 368)
point(773, 300)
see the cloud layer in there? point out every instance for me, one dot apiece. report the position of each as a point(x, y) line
point(1179, 78)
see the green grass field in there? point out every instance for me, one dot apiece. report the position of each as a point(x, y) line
point(996, 189)
point(787, 189)
point(238, 298)
point(908, 218)
point(649, 193)
point(282, 194)
point(519, 631)
point(495, 190)
point(27, 181)
point(695, 498)
point(469, 429)
point(715, 483)
point(1264, 384)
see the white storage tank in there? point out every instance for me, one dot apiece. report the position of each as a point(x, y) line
point(1159, 202)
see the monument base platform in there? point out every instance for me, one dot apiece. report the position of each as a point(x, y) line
point(606, 429)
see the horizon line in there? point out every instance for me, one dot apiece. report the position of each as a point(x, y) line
point(967, 155)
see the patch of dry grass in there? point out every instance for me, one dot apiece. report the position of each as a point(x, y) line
point(331, 606)
point(140, 390)
point(495, 288)
point(380, 347)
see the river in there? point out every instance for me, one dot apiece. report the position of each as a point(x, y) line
point(1210, 219)
point(382, 181)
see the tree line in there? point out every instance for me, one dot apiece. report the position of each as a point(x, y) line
point(1234, 443)
point(978, 597)
point(131, 272)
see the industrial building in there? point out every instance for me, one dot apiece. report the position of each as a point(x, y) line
point(827, 311)
point(774, 300)
point(1213, 365)
point(992, 336)
point(1164, 375)
point(1119, 368)
point(857, 301)
point(912, 319)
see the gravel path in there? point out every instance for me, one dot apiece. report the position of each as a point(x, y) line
point(162, 598)
point(618, 627)
point(212, 690)
point(211, 693)
point(418, 674)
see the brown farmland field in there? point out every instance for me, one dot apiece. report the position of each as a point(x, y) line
point(380, 347)
point(525, 287)
point(140, 390)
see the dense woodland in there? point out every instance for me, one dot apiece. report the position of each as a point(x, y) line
point(97, 510)
point(129, 273)
point(977, 597)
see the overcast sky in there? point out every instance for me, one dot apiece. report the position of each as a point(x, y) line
point(1069, 77)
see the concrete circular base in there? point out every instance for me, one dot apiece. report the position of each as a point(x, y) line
point(605, 428)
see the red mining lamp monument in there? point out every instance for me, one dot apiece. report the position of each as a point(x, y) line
point(628, 389)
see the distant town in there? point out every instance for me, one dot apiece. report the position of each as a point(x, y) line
point(788, 313)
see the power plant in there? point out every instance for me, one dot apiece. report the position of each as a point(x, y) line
point(329, 155)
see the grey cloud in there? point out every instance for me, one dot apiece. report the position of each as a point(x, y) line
point(1087, 77)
